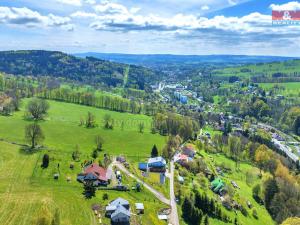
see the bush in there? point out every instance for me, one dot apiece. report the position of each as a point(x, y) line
point(256, 193)
point(105, 196)
point(95, 154)
point(244, 211)
point(254, 213)
point(45, 162)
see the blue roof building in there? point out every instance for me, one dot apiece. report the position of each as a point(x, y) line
point(157, 162)
point(183, 99)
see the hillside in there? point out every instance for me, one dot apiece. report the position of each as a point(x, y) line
point(286, 71)
point(89, 70)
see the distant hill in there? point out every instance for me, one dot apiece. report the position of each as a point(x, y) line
point(285, 71)
point(156, 60)
point(89, 70)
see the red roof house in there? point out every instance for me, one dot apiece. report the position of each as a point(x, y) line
point(95, 173)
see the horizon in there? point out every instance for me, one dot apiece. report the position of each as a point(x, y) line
point(150, 54)
point(167, 27)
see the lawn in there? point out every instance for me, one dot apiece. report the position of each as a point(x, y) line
point(292, 88)
point(28, 191)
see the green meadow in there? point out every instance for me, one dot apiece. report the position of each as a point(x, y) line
point(268, 69)
point(27, 191)
point(291, 88)
point(62, 131)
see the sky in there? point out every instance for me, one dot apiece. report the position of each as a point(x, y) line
point(186, 27)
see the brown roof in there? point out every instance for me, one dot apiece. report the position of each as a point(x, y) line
point(98, 171)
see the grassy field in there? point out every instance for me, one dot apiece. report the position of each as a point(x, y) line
point(28, 191)
point(267, 69)
point(286, 89)
point(62, 130)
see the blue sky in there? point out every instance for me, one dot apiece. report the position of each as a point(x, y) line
point(149, 26)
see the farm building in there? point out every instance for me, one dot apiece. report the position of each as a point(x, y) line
point(95, 173)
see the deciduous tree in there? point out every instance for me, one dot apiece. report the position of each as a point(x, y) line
point(34, 134)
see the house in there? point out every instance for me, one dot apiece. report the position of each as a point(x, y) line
point(181, 158)
point(96, 174)
point(119, 211)
point(139, 207)
point(120, 216)
point(189, 151)
point(157, 164)
point(217, 185)
point(113, 205)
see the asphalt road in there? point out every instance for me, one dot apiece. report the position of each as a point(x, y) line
point(174, 214)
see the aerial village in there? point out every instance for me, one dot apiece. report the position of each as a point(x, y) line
point(111, 177)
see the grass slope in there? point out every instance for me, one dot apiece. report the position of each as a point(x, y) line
point(62, 130)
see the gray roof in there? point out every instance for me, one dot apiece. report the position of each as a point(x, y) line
point(120, 210)
point(119, 201)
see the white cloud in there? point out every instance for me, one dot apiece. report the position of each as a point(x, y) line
point(91, 2)
point(288, 6)
point(205, 7)
point(110, 8)
point(82, 14)
point(135, 10)
point(70, 2)
point(232, 2)
point(30, 18)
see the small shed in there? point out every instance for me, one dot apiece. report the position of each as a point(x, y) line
point(139, 207)
point(143, 166)
point(162, 217)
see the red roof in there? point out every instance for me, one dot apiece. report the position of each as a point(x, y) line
point(98, 171)
point(183, 157)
